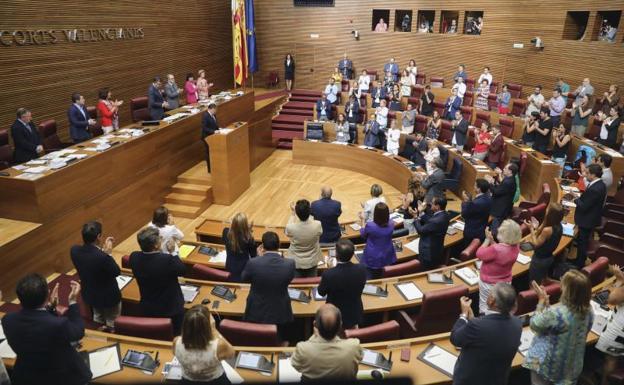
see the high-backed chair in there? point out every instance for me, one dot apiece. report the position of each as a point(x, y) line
point(6, 153)
point(417, 92)
point(439, 106)
point(507, 126)
point(470, 252)
point(49, 136)
point(421, 78)
point(306, 281)
point(451, 180)
point(446, 135)
point(436, 82)
point(501, 162)
point(597, 270)
point(492, 102)
point(515, 90)
point(240, 333)
point(145, 327)
point(536, 212)
point(527, 299)
point(125, 261)
point(466, 113)
point(272, 79)
point(494, 87)
point(420, 124)
point(386, 331)
point(414, 101)
point(519, 107)
point(372, 74)
point(523, 162)
point(207, 273)
point(344, 85)
point(471, 140)
point(438, 312)
point(399, 269)
point(482, 116)
point(544, 198)
point(470, 84)
point(468, 99)
point(594, 129)
point(94, 129)
point(138, 109)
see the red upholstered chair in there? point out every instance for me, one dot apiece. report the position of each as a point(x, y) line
point(468, 99)
point(470, 84)
point(417, 92)
point(125, 261)
point(439, 106)
point(421, 78)
point(145, 327)
point(6, 153)
point(470, 251)
point(492, 102)
point(344, 85)
point(372, 74)
point(306, 281)
point(471, 141)
point(49, 136)
point(536, 211)
point(482, 116)
point(415, 102)
point(501, 162)
point(507, 126)
point(362, 115)
point(494, 87)
point(523, 163)
point(597, 270)
point(94, 129)
point(138, 109)
point(272, 79)
point(209, 274)
point(519, 107)
point(438, 313)
point(594, 129)
point(240, 333)
point(436, 82)
point(420, 124)
point(615, 241)
point(446, 135)
point(616, 256)
point(527, 300)
point(405, 268)
point(570, 99)
point(466, 113)
point(515, 90)
point(544, 198)
point(387, 331)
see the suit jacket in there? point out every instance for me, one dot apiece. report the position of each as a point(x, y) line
point(343, 286)
point(172, 92)
point(495, 152)
point(42, 341)
point(355, 108)
point(433, 185)
point(98, 272)
point(157, 275)
point(155, 103)
point(412, 151)
point(432, 229)
point(589, 205)
point(327, 211)
point(372, 131)
point(461, 130)
point(327, 108)
point(268, 301)
point(450, 107)
point(78, 123)
point(377, 92)
point(25, 141)
point(209, 124)
point(502, 197)
point(346, 68)
point(488, 345)
point(319, 359)
point(304, 242)
point(476, 214)
point(394, 70)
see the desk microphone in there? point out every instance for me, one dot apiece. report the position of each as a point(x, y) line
point(386, 291)
point(390, 356)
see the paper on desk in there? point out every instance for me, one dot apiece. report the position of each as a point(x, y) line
point(104, 361)
point(523, 259)
point(76, 156)
point(396, 217)
point(189, 292)
point(441, 359)
point(6, 351)
point(231, 373)
point(387, 154)
point(341, 143)
point(35, 162)
point(413, 245)
point(547, 161)
point(570, 189)
point(568, 229)
point(27, 176)
point(468, 275)
point(2, 336)
point(122, 281)
point(601, 318)
point(568, 204)
point(36, 170)
point(410, 291)
point(185, 251)
point(225, 131)
point(526, 338)
point(286, 372)
point(20, 167)
point(459, 225)
point(221, 257)
point(355, 226)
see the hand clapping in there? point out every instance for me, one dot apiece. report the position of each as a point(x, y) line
point(542, 295)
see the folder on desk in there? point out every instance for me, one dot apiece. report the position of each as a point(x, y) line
point(409, 290)
point(103, 361)
point(189, 292)
point(439, 359)
point(468, 275)
point(185, 251)
point(375, 291)
point(298, 295)
point(254, 361)
point(286, 372)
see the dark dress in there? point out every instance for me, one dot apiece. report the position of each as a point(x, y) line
point(427, 108)
point(289, 70)
point(541, 141)
point(543, 256)
point(560, 152)
point(237, 259)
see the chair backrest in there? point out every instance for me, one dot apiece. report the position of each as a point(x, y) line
point(6, 152)
point(466, 112)
point(372, 74)
point(507, 126)
point(421, 78)
point(519, 107)
point(594, 129)
point(446, 135)
point(4, 137)
point(417, 92)
point(436, 82)
point(492, 102)
point(456, 169)
point(405, 268)
point(545, 197)
point(145, 327)
point(439, 106)
point(527, 299)
point(125, 261)
point(344, 85)
point(49, 136)
point(209, 274)
point(439, 310)
point(138, 109)
point(240, 333)
point(523, 162)
point(494, 87)
point(501, 162)
point(443, 154)
point(386, 331)
point(471, 140)
point(482, 116)
point(515, 90)
point(306, 280)
point(94, 129)
point(597, 270)
point(536, 211)
point(414, 101)
point(470, 84)
point(420, 124)
point(468, 99)
point(470, 251)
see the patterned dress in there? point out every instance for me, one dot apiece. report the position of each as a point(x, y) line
point(558, 347)
point(481, 102)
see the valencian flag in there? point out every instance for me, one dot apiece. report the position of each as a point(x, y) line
point(251, 36)
point(239, 38)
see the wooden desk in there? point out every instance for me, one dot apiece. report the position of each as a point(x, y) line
point(229, 163)
point(617, 165)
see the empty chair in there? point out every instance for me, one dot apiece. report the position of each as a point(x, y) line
point(527, 299)
point(438, 313)
point(544, 198)
point(438, 106)
point(597, 270)
point(306, 281)
point(492, 102)
point(420, 78)
point(145, 327)
point(436, 82)
point(468, 99)
point(49, 136)
point(593, 129)
point(6, 153)
point(209, 274)
point(507, 126)
point(470, 84)
point(470, 252)
point(240, 333)
point(446, 135)
point(420, 124)
point(272, 79)
point(400, 269)
point(451, 180)
point(139, 110)
point(515, 90)
point(519, 107)
point(417, 92)
point(372, 74)
point(494, 87)
point(94, 129)
point(481, 116)
point(387, 331)
point(466, 112)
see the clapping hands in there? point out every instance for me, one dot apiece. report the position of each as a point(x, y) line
point(542, 295)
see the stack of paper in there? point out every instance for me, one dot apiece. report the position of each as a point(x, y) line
point(189, 292)
point(341, 143)
point(413, 245)
point(225, 131)
point(601, 318)
point(468, 275)
point(6, 351)
point(35, 162)
point(286, 372)
point(525, 340)
point(523, 259)
point(409, 290)
point(459, 225)
point(29, 176)
point(396, 217)
point(221, 257)
point(36, 170)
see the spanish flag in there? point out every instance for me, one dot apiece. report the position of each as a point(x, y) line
point(239, 38)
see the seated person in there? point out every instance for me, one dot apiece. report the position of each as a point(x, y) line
point(327, 211)
point(323, 109)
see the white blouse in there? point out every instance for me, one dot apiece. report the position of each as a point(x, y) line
point(199, 365)
point(168, 233)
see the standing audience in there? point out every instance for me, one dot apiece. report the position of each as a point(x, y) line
point(108, 109)
point(379, 251)
point(304, 233)
point(289, 71)
point(26, 138)
point(170, 235)
point(431, 225)
point(503, 192)
point(240, 246)
point(476, 212)
point(327, 211)
point(544, 238)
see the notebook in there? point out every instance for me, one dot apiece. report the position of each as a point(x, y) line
point(409, 290)
point(468, 275)
point(523, 259)
point(123, 281)
point(286, 372)
point(189, 292)
point(104, 361)
point(439, 359)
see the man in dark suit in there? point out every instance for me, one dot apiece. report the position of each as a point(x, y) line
point(433, 182)
point(98, 273)
point(326, 210)
point(79, 121)
point(377, 93)
point(431, 225)
point(157, 275)
point(503, 191)
point(344, 283)
point(323, 109)
point(345, 66)
point(460, 130)
point(268, 301)
point(43, 340)
point(393, 68)
point(588, 211)
point(352, 111)
point(415, 149)
point(489, 343)
point(26, 139)
point(209, 127)
point(156, 103)
point(476, 212)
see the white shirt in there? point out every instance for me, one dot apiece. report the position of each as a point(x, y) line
point(487, 77)
point(331, 91)
point(199, 365)
point(392, 145)
point(382, 117)
point(369, 207)
point(461, 89)
point(168, 233)
point(364, 82)
point(604, 133)
point(429, 157)
point(533, 101)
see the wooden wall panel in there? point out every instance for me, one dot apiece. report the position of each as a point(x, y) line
point(180, 37)
point(281, 28)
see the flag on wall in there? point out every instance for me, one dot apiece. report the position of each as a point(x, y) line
point(239, 38)
point(251, 36)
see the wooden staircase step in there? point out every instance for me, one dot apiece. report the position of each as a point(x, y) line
point(186, 199)
point(190, 189)
point(183, 211)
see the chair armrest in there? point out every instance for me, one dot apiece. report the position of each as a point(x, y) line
point(527, 205)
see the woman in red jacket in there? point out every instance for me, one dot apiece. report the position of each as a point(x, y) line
point(108, 111)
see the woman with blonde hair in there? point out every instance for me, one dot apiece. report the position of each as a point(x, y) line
point(557, 350)
point(203, 88)
point(201, 348)
point(369, 206)
point(498, 258)
point(240, 246)
point(433, 152)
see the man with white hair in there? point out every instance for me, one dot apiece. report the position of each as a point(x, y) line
point(327, 211)
point(584, 89)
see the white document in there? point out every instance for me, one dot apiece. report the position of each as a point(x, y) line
point(231, 373)
point(571, 189)
point(355, 226)
point(459, 225)
point(35, 162)
point(6, 351)
point(387, 154)
point(413, 245)
point(20, 167)
point(27, 176)
point(189, 292)
point(36, 170)
point(568, 229)
point(225, 131)
point(104, 361)
point(468, 275)
point(219, 258)
point(340, 143)
point(441, 359)
point(2, 336)
point(56, 165)
point(410, 291)
point(286, 372)
point(76, 156)
point(568, 204)
point(601, 318)
point(523, 259)
point(396, 217)
point(546, 161)
point(526, 338)
point(249, 360)
point(122, 281)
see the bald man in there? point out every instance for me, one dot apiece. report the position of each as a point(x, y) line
point(325, 354)
point(326, 210)
point(584, 89)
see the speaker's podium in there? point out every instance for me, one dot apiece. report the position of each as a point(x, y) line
point(229, 162)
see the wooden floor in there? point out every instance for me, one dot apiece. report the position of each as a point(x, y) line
point(11, 229)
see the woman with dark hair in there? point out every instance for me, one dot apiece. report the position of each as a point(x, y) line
point(379, 251)
point(201, 348)
point(561, 142)
point(409, 203)
point(609, 129)
point(170, 235)
point(191, 89)
point(108, 110)
point(289, 70)
point(545, 239)
point(240, 246)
